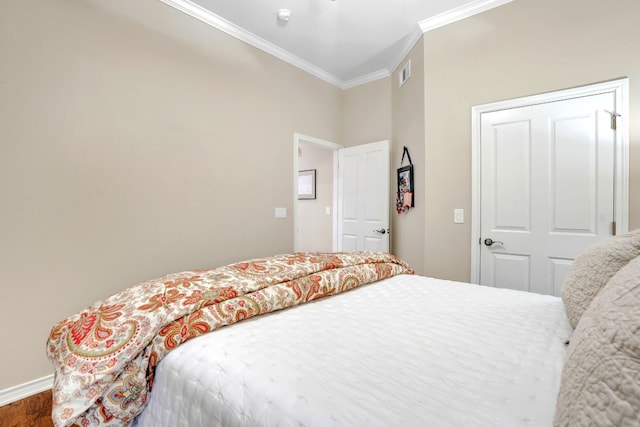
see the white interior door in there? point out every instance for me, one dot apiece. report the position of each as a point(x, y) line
point(547, 189)
point(363, 197)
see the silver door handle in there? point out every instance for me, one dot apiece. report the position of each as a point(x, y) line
point(490, 242)
point(381, 231)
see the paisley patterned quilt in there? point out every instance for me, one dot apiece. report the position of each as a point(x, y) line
point(105, 356)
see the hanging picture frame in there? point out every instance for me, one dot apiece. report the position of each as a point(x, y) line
point(405, 191)
point(405, 187)
point(307, 184)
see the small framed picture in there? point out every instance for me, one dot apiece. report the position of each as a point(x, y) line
point(307, 184)
point(404, 199)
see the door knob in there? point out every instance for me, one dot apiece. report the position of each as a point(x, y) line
point(381, 231)
point(489, 242)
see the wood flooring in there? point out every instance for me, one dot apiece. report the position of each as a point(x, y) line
point(33, 411)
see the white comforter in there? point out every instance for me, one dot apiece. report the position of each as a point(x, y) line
point(406, 351)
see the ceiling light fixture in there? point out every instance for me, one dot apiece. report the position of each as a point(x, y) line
point(284, 14)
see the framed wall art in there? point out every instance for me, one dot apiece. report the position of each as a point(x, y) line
point(404, 199)
point(307, 184)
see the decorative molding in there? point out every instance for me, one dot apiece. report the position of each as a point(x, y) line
point(27, 389)
point(233, 30)
point(460, 13)
point(404, 52)
point(367, 78)
point(196, 11)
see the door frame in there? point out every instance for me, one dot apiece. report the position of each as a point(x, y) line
point(621, 166)
point(297, 139)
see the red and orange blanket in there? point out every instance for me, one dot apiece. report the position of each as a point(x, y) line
point(105, 356)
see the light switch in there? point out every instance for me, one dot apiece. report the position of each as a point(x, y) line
point(281, 213)
point(458, 216)
point(327, 210)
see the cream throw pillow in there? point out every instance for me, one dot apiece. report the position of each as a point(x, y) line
point(600, 383)
point(593, 269)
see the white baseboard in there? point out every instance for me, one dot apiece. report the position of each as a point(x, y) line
point(21, 391)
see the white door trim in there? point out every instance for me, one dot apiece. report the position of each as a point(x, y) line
point(621, 197)
point(297, 138)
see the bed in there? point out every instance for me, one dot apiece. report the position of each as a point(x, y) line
point(343, 340)
point(373, 357)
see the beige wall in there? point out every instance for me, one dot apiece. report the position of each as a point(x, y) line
point(408, 130)
point(367, 113)
point(525, 47)
point(128, 151)
point(315, 227)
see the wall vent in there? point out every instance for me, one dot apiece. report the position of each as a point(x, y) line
point(405, 73)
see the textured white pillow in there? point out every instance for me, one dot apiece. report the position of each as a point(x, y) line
point(600, 383)
point(593, 269)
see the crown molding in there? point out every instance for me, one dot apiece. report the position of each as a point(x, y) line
point(209, 18)
point(196, 11)
point(402, 53)
point(460, 13)
point(22, 391)
point(367, 78)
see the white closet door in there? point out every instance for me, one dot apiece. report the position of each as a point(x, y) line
point(547, 189)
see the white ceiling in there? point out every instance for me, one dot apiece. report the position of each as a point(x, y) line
point(345, 42)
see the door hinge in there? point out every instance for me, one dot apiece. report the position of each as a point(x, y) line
point(614, 119)
point(613, 228)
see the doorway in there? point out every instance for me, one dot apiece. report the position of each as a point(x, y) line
point(550, 177)
point(315, 219)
